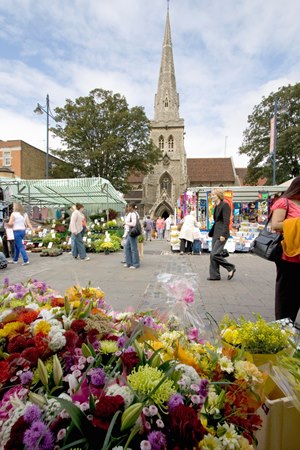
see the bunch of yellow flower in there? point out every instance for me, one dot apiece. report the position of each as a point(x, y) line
point(255, 337)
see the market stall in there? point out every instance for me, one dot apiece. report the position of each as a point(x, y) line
point(94, 193)
point(250, 207)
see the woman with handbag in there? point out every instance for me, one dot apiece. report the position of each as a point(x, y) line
point(286, 211)
point(131, 248)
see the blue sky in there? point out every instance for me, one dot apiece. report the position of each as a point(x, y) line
point(228, 55)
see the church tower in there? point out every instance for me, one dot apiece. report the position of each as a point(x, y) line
point(162, 188)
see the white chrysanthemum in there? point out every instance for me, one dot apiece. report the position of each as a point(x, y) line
point(124, 391)
point(226, 364)
point(211, 442)
point(230, 439)
point(57, 339)
point(189, 375)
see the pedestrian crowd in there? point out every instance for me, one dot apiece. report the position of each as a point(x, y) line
point(285, 220)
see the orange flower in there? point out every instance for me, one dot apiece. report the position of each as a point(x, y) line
point(186, 357)
point(58, 301)
point(28, 316)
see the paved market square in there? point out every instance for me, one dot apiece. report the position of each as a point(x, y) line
point(250, 291)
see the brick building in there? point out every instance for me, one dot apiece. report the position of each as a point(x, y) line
point(26, 161)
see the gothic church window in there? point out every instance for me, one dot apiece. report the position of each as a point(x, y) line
point(166, 183)
point(161, 142)
point(166, 102)
point(171, 143)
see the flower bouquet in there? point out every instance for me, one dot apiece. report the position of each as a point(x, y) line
point(261, 341)
point(75, 374)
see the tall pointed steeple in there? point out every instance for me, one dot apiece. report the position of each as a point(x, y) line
point(163, 186)
point(166, 99)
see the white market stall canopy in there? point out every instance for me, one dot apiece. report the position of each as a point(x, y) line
point(94, 193)
point(240, 193)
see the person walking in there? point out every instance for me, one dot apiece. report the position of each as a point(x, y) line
point(19, 221)
point(168, 223)
point(148, 227)
point(131, 248)
point(219, 233)
point(160, 226)
point(286, 219)
point(78, 248)
point(186, 234)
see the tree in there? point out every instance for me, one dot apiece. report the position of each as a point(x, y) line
point(104, 138)
point(256, 142)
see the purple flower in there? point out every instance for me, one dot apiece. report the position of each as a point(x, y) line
point(32, 414)
point(97, 377)
point(121, 341)
point(38, 437)
point(96, 345)
point(130, 349)
point(157, 440)
point(175, 400)
point(6, 282)
point(204, 386)
point(26, 377)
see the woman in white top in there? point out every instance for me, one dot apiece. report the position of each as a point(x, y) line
point(131, 249)
point(19, 221)
point(186, 234)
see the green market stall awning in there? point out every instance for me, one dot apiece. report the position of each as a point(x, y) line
point(94, 193)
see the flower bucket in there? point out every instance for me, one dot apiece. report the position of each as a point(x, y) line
point(280, 423)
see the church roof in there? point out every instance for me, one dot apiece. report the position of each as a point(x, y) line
point(209, 170)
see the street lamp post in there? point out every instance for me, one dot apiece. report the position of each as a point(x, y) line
point(40, 110)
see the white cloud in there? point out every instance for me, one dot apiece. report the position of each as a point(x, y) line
point(227, 56)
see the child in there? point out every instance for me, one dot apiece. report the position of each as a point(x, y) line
point(8, 242)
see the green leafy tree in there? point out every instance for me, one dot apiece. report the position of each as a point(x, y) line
point(256, 142)
point(103, 137)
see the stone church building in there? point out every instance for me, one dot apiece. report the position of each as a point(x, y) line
point(157, 193)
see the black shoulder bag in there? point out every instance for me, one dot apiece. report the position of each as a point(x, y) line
point(137, 229)
point(267, 245)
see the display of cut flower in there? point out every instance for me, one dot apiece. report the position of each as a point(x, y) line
point(256, 337)
point(75, 374)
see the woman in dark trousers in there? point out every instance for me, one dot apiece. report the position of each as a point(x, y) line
point(287, 296)
point(220, 234)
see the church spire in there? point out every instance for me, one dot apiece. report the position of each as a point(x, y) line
point(166, 105)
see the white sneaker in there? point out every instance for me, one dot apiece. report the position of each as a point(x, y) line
point(15, 262)
point(132, 267)
point(25, 263)
point(86, 259)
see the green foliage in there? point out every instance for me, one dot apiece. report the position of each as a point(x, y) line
point(104, 137)
point(256, 141)
point(48, 238)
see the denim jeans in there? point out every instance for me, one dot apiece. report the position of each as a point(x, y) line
point(131, 251)
point(148, 234)
point(78, 246)
point(19, 246)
